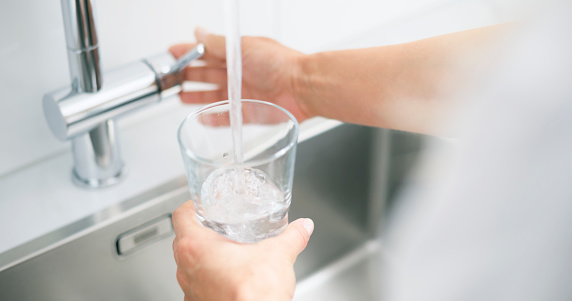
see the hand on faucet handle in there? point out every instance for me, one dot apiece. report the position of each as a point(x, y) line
point(270, 70)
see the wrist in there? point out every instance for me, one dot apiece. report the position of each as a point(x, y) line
point(301, 84)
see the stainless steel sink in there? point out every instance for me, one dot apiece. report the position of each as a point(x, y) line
point(124, 252)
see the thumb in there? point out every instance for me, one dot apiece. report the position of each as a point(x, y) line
point(295, 238)
point(214, 44)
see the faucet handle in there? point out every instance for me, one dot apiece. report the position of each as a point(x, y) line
point(168, 72)
point(188, 57)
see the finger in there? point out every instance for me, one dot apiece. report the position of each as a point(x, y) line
point(214, 44)
point(295, 238)
point(184, 220)
point(206, 74)
point(175, 251)
point(213, 63)
point(181, 278)
point(180, 49)
point(203, 96)
point(217, 120)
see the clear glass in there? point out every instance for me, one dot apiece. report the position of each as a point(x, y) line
point(245, 202)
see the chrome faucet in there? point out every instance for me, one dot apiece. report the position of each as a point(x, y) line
point(85, 112)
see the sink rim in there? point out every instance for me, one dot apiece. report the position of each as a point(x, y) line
point(92, 222)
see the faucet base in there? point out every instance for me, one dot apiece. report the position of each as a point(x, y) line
point(96, 156)
point(98, 183)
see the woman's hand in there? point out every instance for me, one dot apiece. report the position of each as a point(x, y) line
point(269, 72)
point(212, 267)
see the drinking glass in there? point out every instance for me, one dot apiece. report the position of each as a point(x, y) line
point(247, 201)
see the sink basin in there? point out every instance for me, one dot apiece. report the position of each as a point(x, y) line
point(124, 252)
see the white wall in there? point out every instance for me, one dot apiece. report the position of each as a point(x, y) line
point(33, 58)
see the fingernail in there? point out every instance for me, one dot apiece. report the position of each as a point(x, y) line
point(308, 225)
point(201, 33)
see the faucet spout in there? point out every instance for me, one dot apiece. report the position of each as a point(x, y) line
point(82, 45)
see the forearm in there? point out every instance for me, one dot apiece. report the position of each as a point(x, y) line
point(398, 86)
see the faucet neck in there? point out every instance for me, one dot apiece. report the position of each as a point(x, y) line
point(82, 45)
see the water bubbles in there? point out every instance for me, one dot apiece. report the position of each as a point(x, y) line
point(230, 193)
point(260, 176)
point(257, 211)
